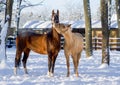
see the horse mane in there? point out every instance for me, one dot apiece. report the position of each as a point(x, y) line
point(28, 33)
point(53, 34)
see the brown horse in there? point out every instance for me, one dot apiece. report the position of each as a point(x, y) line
point(73, 45)
point(48, 44)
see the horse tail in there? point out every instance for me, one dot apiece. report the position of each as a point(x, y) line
point(18, 59)
point(18, 53)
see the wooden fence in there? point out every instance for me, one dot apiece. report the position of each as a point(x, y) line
point(114, 43)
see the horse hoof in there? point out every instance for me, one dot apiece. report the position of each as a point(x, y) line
point(50, 74)
point(26, 73)
point(77, 75)
point(15, 71)
point(67, 76)
point(15, 74)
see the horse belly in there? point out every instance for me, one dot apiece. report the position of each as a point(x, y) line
point(39, 49)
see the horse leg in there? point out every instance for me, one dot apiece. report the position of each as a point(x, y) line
point(17, 61)
point(24, 60)
point(75, 62)
point(53, 63)
point(68, 64)
point(78, 58)
point(49, 64)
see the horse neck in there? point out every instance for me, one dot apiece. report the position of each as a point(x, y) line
point(55, 34)
point(68, 36)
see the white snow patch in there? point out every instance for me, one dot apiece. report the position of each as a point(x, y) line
point(37, 65)
point(4, 65)
point(2, 45)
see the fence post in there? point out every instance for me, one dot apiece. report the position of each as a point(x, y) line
point(95, 43)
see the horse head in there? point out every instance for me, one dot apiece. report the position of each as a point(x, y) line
point(55, 17)
point(61, 28)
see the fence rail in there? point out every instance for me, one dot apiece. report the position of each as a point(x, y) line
point(114, 43)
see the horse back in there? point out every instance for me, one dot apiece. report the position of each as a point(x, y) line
point(75, 44)
point(78, 40)
point(32, 41)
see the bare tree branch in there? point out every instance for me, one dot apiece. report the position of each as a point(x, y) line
point(29, 4)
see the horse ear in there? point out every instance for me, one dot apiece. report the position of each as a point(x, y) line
point(69, 25)
point(58, 12)
point(52, 12)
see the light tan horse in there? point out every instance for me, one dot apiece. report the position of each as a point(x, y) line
point(73, 45)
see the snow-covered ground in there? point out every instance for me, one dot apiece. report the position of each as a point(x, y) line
point(89, 71)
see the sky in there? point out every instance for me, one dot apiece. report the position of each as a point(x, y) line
point(61, 4)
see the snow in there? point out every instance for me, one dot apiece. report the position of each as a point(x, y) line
point(26, 25)
point(2, 45)
point(104, 65)
point(46, 24)
point(32, 24)
point(2, 1)
point(74, 24)
point(89, 71)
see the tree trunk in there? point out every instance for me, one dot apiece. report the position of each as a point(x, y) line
point(8, 12)
point(9, 4)
point(18, 14)
point(118, 19)
point(105, 32)
point(88, 29)
point(118, 12)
